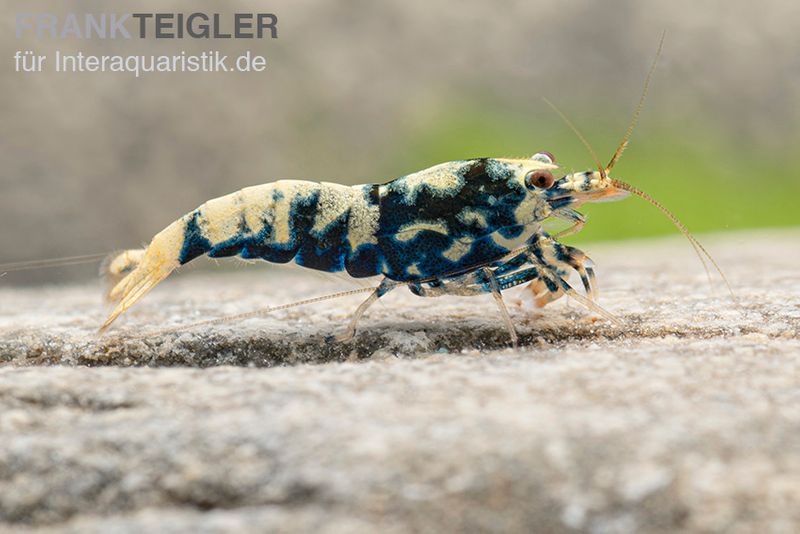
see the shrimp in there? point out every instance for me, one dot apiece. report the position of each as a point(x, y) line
point(423, 226)
point(460, 228)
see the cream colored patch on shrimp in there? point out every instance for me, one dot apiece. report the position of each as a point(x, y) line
point(515, 242)
point(364, 219)
point(413, 270)
point(437, 179)
point(282, 207)
point(533, 208)
point(333, 202)
point(470, 216)
point(409, 232)
point(219, 218)
point(456, 251)
point(256, 202)
point(527, 164)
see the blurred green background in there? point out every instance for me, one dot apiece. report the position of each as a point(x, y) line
point(359, 91)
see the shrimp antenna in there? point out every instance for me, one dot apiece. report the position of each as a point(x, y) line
point(635, 118)
point(255, 313)
point(698, 247)
point(52, 262)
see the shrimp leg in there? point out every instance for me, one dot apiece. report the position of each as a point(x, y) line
point(385, 286)
point(475, 283)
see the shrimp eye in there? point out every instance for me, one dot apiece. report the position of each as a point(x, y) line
point(544, 156)
point(541, 179)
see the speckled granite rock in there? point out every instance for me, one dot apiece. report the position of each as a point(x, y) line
point(687, 416)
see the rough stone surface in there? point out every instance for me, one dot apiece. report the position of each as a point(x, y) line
point(685, 416)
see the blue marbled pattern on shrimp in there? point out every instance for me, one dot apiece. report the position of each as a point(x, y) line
point(328, 227)
point(429, 224)
point(424, 224)
point(450, 217)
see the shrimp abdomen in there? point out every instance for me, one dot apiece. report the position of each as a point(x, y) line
point(322, 226)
